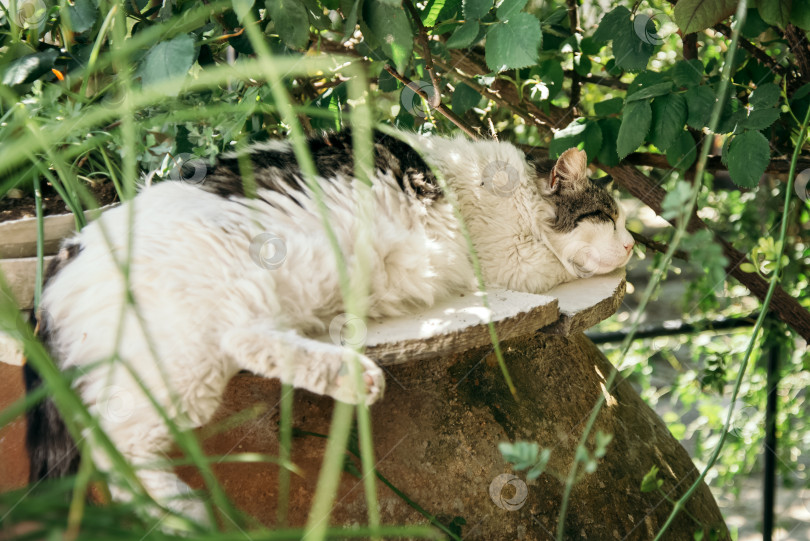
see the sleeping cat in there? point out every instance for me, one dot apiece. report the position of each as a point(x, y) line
point(224, 282)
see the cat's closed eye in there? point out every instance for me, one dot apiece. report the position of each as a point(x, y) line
point(597, 215)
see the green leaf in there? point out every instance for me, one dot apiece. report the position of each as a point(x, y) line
point(83, 14)
point(724, 151)
point(391, 28)
point(650, 482)
point(28, 69)
point(603, 439)
point(350, 10)
point(650, 92)
point(168, 59)
point(582, 65)
point(707, 256)
point(508, 8)
point(538, 469)
point(514, 43)
point(682, 153)
point(765, 96)
point(695, 15)
point(612, 20)
point(748, 267)
point(629, 49)
point(687, 73)
point(475, 9)
point(242, 8)
point(776, 12)
point(645, 79)
point(699, 102)
point(748, 157)
point(676, 200)
point(464, 98)
point(731, 120)
point(759, 119)
point(290, 22)
point(668, 119)
point(800, 15)
point(581, 133)
point(522, 454)
point(610, 133)
point(754, 25)
point(589, 46)
point(463, 36)
point(608, 107)
point(432, 11)
point(635, 127)
point(552, 75)
point(316, 16)
point(387, 82)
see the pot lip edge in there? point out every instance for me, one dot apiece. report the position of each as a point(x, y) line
point(52, 217)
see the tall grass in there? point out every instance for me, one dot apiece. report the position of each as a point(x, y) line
point(48, 148)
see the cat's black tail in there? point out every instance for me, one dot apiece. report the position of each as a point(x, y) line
point(51, 449)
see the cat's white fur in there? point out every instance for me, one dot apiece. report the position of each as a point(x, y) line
point(211, 310)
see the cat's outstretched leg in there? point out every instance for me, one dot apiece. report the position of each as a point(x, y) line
point(318, 367)
point(144, 440)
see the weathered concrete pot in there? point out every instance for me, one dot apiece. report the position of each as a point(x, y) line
point(436, 435)
point(18, 250)
point(19, 237)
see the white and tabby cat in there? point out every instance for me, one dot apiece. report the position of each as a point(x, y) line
point(213, 306)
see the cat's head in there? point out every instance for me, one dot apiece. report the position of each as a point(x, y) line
point(586, 229)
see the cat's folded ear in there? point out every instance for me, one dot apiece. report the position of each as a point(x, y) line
point(606, 182)
point(570, 171)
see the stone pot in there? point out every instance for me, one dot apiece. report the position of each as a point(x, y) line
point(437, 429)
point(18, 250)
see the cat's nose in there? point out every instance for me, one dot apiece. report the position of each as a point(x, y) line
point(629, 246)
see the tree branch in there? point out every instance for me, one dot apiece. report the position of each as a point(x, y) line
point(656, 246)
point(784, 306)
point(755, 51)
point(602, 81)
point(440, 107)
point(576, 89)
point(797, 41)
point(466, 66)
point(422, 37)
point(673, 328)
point(714, 163)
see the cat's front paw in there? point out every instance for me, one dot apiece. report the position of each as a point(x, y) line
point(345, 389)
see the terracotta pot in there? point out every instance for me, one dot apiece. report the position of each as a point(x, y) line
point(18, 250)
point(436, 434)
